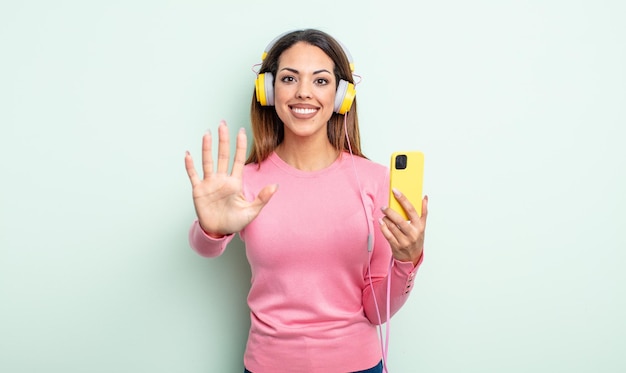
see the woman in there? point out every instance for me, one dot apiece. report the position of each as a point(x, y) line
point(311, 211)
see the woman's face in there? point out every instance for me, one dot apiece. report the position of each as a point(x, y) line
point(304, 90)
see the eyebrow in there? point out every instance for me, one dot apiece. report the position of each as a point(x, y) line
point(297, 72)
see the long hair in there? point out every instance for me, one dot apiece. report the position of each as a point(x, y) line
point(267, 128)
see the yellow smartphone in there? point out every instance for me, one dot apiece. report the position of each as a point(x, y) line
point(406, 175)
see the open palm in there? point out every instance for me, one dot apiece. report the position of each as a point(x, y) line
point(220, 205)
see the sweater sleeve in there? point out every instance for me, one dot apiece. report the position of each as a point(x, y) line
point(384, 268)
point(401, 275)
point(206, 245)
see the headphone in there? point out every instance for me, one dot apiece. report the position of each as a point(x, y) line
point(264, 84)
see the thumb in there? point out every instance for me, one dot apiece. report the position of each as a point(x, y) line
point(265, 195)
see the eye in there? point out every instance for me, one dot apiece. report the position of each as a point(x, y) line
point(321, 81)
point(287, 79)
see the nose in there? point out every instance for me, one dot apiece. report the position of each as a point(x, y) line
point(304, 91)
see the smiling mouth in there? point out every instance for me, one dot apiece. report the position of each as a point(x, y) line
point(303, 111)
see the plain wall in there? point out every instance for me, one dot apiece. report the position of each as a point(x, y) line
point(519, 107)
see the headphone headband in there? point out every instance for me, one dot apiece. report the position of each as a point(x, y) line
point(271, 44)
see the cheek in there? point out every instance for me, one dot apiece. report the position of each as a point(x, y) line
point(331, 99)
point(280, 99)
point(329, 94)
point(281, 93)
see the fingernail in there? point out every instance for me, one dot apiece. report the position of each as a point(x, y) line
point(383, 208)
point(396, 192)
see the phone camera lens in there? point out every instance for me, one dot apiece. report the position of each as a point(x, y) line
point(401, 162)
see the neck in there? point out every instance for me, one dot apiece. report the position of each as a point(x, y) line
point(306, 155)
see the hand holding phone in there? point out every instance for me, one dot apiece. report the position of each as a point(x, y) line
point(406, 175)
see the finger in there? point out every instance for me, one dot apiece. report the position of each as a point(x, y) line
point(223, 148)
point(207, 157)
point(424, 211)
point(393, 216)
point(387, 233)
point(266, 193)
point(408, 207)
point(401, 231)
point(400, 228)
point(263, 198)
point(240, 153)
point(191, 170)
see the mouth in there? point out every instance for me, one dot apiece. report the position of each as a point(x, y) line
point(304, 112)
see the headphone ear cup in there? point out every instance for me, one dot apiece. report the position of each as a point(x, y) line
point(264, 86)
point(344, 97)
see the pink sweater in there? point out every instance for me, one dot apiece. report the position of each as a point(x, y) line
point(311, 305)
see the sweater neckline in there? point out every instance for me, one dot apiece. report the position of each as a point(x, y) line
point(281, 164)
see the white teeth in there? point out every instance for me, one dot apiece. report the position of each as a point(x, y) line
point(303, 111)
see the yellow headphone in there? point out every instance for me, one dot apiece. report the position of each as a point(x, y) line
point(264, 84)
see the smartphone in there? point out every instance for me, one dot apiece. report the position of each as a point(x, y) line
point(406, 175)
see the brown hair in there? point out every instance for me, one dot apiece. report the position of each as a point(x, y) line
point(267, 128)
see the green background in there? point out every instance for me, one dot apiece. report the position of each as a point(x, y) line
point(519, 107)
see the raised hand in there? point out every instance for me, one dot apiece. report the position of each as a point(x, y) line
point(220, 205)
